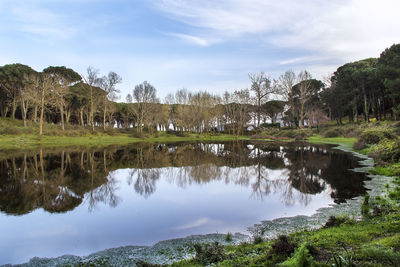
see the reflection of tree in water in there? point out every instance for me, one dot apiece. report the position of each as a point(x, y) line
point(58, 181)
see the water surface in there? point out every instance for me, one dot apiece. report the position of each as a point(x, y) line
point(56, 202)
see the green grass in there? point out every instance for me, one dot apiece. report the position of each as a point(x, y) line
point(28, 141)
point(14, 136)
point(318, 139)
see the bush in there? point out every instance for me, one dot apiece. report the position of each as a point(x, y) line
point(270, 125)
point(334, 221)
point(208, 254)
point(10, 130)
point(301, 258)
point(388, 151)
point(376, 136)
point(146, 264)
point(332, 133)
point(282, 246)
point(359, 145)
point(365, 208)
point(381, 255)
point(228, 237)
point(136, 134)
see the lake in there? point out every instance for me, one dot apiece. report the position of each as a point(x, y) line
point(78, 201)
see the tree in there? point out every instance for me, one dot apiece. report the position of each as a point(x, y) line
point(108, 83)
point(389, 72)
point(145, 95)
point(262, 87)
point(236, 110)
point(359, 83)
point(63, 78)
point(273, 108)
point(306, 94)
point(285, 86)
point(91, 79)
point(13, 79)
point(44, 83)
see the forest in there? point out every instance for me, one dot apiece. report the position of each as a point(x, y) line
point(361, 90)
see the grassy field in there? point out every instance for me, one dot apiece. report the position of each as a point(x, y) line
point(28, 141)
point(14, 136)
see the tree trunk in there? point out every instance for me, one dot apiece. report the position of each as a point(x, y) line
point(35, 111)
point(13, 109)
point(41, 114)
point(104, 116)
point(366, 110)
point(91, 116)
point(24, 108)
point(62, 117)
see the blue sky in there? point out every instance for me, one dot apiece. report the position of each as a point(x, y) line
point(195, 44)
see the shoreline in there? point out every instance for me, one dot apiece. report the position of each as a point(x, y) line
point(168, 251)
point(13, 142)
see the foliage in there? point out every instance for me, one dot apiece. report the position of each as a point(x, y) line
point(301, 258)
point(228, 237)
point(282, 246)
point(209, 253)
point(374, 136)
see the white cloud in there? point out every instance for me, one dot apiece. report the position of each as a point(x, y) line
point(338, 29)
point(29, 17)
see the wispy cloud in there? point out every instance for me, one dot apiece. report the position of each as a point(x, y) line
point(29, 17)
point(192, 39)
point(349, 29)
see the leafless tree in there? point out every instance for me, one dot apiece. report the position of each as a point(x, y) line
point(144, 95)
point(285, 85)
point(91, 79)
point(262, 87)
point(108, 83)
point(305, 91)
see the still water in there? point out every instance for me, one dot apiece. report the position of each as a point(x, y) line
point(56, 202)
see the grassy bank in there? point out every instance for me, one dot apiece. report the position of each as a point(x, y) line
point(14, 136)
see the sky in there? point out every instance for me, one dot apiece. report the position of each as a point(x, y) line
point(195, 44)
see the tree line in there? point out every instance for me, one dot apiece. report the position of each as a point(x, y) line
point(357, 90)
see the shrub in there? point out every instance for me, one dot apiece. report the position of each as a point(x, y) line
point(381, 255)
point(365, 208)
point(282, 246)
point(301, 258)
point(136, 134)
point(334, 221)
point(375, 136)
point(388, 151)
point(208, 254)
point(359, 145)
point(228, 237)
point(146, 264)
point(258, 240)
point(332, 133)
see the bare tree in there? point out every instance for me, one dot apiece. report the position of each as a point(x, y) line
point(144, 95)
point(91, 79)
point(108, 83)
point(262, 87)
point(129, 98)
point(305, 92)
point(316, 116)
point(285, 85)
point(44, 84)
point(237, 110)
